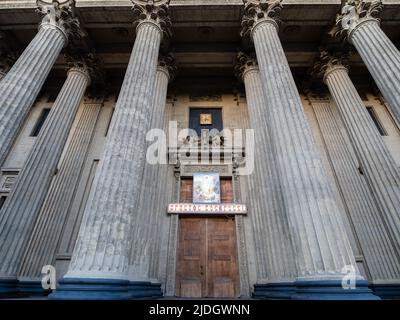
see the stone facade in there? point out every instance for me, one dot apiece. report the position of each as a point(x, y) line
point(81, 92)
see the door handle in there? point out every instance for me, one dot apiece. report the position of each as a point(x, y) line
point(201, 270)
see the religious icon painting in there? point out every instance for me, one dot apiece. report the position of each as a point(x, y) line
point(206, 119)
point(206, 188)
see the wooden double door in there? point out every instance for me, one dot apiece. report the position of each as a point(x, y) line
point(207, 258)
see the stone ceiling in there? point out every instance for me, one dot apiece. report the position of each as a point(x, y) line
point(206, 33)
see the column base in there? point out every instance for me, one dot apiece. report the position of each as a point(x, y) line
point(332, 290)
point(8, 288)
point(32, 288)
point(91, 289)
point(144, 290)
point(277, 290)
point(386, 291)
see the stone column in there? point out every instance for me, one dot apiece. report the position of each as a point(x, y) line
point(20, 87)
point(43, 243)
point(376, 162)
point(164, 196)
point(321, 246)
point(147, 227)
point(172, 237)
point(359, 24)
point(99, 264)
point(22, 206)
point(159, 260)
point(275, 265)
point(244, 224)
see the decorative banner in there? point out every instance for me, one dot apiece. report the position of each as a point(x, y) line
point(206, 188)
point(195, 208)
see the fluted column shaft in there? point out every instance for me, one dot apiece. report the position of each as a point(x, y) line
point(274, 252)
point(152, 204)
point(376, 162)
point(163, 196)
point(376, 244)
point(158, 262)
point(321, 245)
point(382, 59)
point(43, 243)
point(103, 244)
point(22, 207)
point(20, 87)
point(158, 265)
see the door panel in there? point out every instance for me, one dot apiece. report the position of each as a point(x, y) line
point(223, 288)
point(207, 259)
point(191, 258)
point(190, 288)
point(222, 273)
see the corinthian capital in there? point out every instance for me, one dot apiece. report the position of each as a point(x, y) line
point(60, 15)
point(353, 13)
point(87, 63)
point(257, 11)
point(154, 11)
point(168, 63)
point(329, 61)
point(244, 63)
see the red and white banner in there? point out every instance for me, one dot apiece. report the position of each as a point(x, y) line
point(205, 208)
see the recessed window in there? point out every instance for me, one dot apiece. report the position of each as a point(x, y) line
point(39, 124)
point(376, 121)
point(205, 118)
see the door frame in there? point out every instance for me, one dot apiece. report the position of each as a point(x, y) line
point(241, 243)
point(236, 253)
